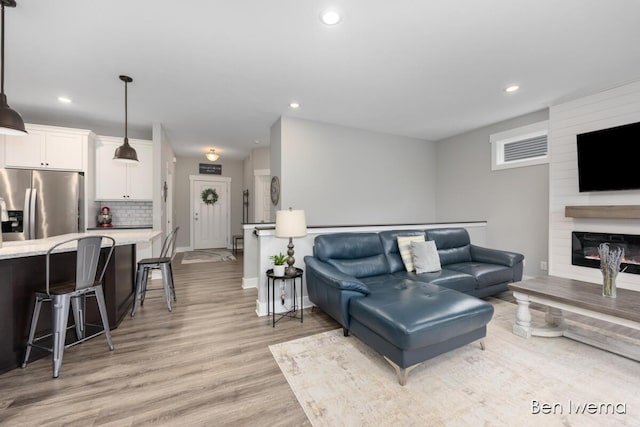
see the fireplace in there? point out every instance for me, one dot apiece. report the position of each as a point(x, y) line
point(584, 249)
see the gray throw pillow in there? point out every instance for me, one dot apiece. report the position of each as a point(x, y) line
point(425, 257)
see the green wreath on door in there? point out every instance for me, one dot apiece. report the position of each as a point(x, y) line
point(209, 196)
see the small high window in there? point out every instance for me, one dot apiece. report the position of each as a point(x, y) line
point(523, 146)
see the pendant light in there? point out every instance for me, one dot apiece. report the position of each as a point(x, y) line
point(212, 156)
point(125, 153)
point(10, 121)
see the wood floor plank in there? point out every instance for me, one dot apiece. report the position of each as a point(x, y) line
point(205, 363)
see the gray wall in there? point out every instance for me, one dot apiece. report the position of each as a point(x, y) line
point(514, 202)
point(347, 176)
point(186, 166)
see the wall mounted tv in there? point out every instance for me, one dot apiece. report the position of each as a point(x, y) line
point(607, 159)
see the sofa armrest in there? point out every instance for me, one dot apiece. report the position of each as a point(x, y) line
point(331, 276)
point(331, 290)
point(495, 256)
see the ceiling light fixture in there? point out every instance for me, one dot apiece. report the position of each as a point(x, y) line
point(294, 105)
point(64, 100)
point(11, 122)
point(212, 156)
point(330, 17)
point(125, 153)
point(512, 88)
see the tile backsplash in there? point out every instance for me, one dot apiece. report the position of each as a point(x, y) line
point(126, 213)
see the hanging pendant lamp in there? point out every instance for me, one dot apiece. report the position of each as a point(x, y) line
point(11, 122)
point(125, 153)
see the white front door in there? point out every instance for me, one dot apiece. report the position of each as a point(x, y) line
point(210, 223)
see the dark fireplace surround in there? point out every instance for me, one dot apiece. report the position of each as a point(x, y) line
point(584, 249)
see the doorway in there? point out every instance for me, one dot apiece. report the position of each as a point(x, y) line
point(210, 222)
point(262, 201)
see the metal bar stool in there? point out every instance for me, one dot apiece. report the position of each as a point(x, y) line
point(162, 263)
point(73, 293)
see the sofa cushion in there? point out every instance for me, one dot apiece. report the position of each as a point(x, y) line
point(413, 315)
point(485, 274)
point(453, 244)
point(406, 252)
point(356, 254)
point(450, 279)
point(425, 257)
point(381, 280)
point(389, 241)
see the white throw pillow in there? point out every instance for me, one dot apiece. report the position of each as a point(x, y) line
point(404, 247)
point(425, 257)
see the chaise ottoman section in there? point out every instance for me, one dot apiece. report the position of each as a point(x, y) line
point(410, 322)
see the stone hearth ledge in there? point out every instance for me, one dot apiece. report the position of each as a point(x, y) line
point(26, 248)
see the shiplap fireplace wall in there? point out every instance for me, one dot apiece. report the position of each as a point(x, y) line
point(610, 108)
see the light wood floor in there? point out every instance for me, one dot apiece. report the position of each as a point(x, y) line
point(206, 363)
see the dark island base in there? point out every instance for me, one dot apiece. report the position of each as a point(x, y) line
point(21, 277)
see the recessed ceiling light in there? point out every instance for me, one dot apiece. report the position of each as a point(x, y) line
point(294, 105)
point(64, 100)
point(330, 17)
point(512, 88)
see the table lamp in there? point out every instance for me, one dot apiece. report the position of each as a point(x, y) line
point(290, 224)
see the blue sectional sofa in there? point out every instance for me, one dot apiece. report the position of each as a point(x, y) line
point(361, 281)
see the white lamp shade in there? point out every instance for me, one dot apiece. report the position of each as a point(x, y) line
point(291, 223)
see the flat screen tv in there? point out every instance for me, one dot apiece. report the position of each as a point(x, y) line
point(607, 159)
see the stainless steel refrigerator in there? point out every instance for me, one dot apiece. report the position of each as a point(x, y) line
point(41, 204)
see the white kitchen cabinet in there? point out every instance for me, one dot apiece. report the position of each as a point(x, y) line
point(123, 181)
point(47, 147)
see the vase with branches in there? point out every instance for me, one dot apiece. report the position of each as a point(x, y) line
point(610, 259)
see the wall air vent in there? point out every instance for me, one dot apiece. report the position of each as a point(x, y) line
point(530, 148)
point(524, 146)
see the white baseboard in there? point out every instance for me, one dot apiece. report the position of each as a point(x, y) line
point(184, 249)
point(248, 283)
point(261, 308)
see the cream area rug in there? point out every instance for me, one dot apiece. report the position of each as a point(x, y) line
point(515, 382)
point(207, 255)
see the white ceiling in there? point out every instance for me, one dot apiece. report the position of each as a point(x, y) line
point(219, 73)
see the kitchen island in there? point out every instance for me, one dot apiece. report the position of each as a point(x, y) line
point(22, 272)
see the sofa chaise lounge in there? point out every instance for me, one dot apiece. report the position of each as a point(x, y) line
point(361, 281)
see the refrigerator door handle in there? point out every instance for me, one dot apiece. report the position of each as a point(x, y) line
point(26, 215)
point(32, 213)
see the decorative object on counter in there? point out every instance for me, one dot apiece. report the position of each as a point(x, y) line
point(279, 261)
point(104, 217)
point(125, 153)
point(209, 196)
point(11, 122)
point(610, 259)
point(212, 156)
point(207, 255)
point(290, 224)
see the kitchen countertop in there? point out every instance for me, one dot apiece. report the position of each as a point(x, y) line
point(122, 227)
point(36, 247)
